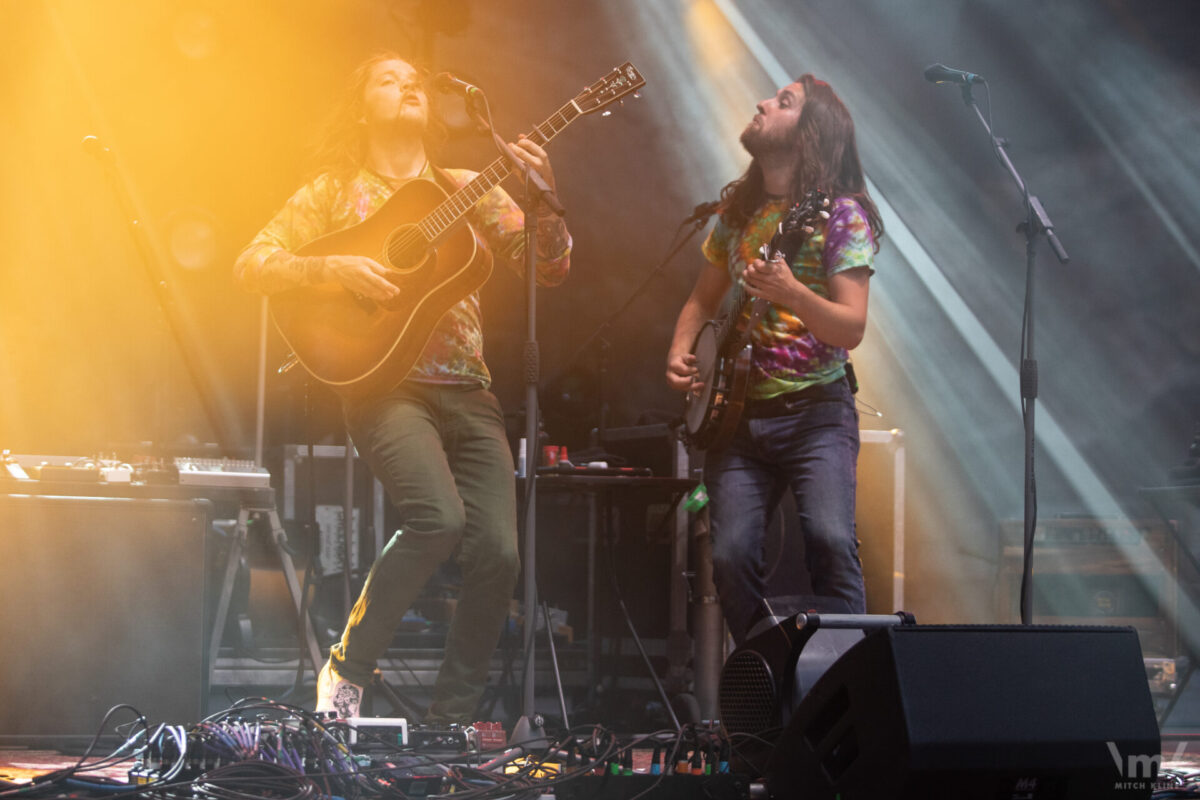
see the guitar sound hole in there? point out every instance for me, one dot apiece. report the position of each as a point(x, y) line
point(406, 249)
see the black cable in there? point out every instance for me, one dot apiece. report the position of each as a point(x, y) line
point(599, 736)
point(612, 572)
point(284, 752)
point(742, 753)
point(57, 776)
point(412, 673)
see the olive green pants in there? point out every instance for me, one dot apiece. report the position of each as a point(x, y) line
point(443, 457)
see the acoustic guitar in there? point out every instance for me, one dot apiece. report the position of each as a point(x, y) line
point(358, 346)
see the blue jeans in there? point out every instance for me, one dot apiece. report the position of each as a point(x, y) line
point(813, 450)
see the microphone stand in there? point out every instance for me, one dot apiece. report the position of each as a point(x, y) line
point(698, 220)
point(161, 286)
point(1036, 223)
point(528, 729)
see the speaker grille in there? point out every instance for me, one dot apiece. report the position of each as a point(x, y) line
point(747, 694)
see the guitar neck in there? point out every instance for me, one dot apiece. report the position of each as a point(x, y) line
point(745, 311)
point(448, 213)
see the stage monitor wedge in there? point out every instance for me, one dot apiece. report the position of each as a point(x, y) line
point(1035, 712)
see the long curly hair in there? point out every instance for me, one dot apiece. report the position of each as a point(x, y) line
point(824, 137)
point(342, 147)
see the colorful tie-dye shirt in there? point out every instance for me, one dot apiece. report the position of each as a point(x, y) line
point(454, 353)
point(786, 356)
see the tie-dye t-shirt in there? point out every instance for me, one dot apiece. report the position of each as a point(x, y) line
point(786, 356)
point(454, 353)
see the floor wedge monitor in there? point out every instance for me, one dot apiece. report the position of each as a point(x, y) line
point(1035, 712)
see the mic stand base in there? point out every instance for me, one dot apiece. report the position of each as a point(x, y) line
point(529, 733)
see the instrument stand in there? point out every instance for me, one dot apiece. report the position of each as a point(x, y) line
point(237, 549)
point(528, 730)
point(1036, 223)
point(562, 701)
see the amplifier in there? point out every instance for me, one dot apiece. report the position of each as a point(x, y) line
point(1093, 570)
point(879, 518)
point(104, 602)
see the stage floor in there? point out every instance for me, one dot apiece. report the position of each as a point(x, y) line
point(20, 766)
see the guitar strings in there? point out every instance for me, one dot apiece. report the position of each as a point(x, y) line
point(449, 211)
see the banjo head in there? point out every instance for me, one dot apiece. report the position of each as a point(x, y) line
point(696, 404)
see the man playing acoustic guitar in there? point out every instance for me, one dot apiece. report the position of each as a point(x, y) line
point(433, 436)
point(799, 426)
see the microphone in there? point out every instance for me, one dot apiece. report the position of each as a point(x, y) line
point(703, 211)
point(447, 82)
point(940, 73)
point(92, 145)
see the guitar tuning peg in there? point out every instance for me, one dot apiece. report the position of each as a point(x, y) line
point(606, 112)
point(637, 95)
point(824, 214)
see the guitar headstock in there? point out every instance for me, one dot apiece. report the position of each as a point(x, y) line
point(806, 213)
point(798, 224)
point(622, 81)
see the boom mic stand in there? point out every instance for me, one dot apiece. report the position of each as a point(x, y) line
point(198, 378)
point(161, 286)
point(1036, 223)
point(697, 220)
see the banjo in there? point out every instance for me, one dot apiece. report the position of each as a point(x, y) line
point(723, 348)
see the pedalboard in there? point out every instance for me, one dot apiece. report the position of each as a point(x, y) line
point(392, 731)
point(443, 739)
point(727, 785)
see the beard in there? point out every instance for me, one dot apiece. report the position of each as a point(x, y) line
point(759, 143)
point(408, 123)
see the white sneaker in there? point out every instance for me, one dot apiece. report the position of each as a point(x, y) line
point(335, 693)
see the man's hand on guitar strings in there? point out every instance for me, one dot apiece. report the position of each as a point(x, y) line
point(363, 276)
point(771, 280)
point(532, 154)
point(682, 373)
